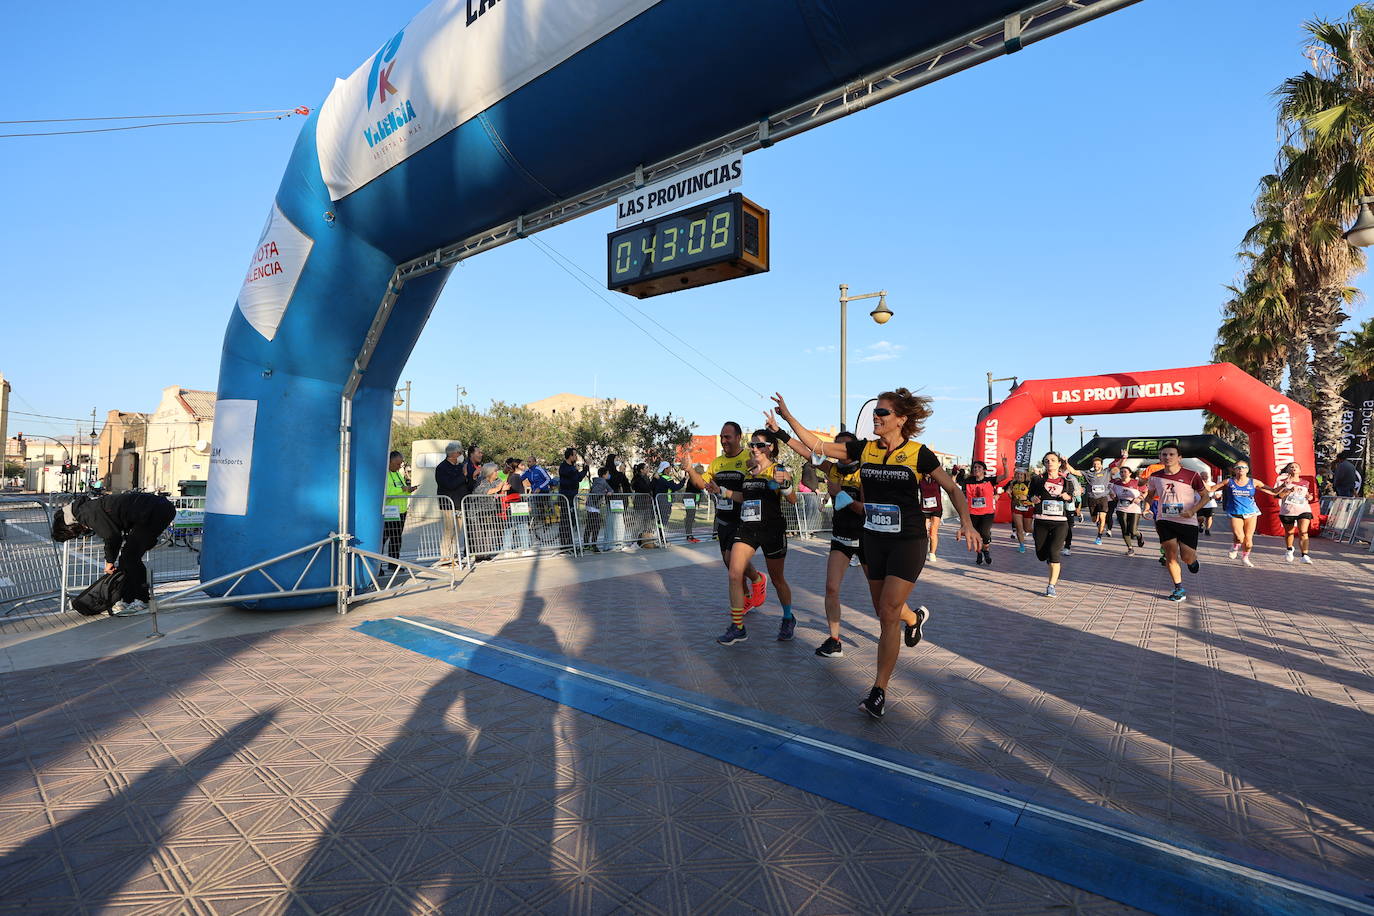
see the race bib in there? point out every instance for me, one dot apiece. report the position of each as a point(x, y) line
point(979, 502)
point(883, 518)
point(1052, 508)
point(1099, 490)
point(929, 502)
point(751, 510)
point(392, 513)
point(689, 502)
point(1171, 508)
point(617, 505)
point(519, 509)
point(724, 505)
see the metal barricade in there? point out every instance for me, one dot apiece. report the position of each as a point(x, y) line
point(538, 524)
point(431, 532)
point(1362, 526)
point(30, 563)
point(173, 563)
point(1340, 518)
point(808, 517)
point(619, 521)
point(684, 517)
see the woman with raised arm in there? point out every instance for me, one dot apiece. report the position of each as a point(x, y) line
point(891, 468)
point(1238, 499)
point(846, 535)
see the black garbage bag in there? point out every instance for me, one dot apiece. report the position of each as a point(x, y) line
point(100, 596)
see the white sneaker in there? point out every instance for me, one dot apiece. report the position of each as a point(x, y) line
point(1306, 559)
point(118, 608)
point(854, 561)
point(1246, 560)
point(1288, 555)
point(933, 558)
point(129, 609)
point(527, 553)
point(1235, 549)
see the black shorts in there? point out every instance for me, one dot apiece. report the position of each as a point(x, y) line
point(1173, 531)
point(1049, 539)
point(983, 525)
point(1098, 505)
point(1290, 520)
point(1204, 513)
point(849, 550)
point(894, 556)
point(771, 539)
point(726, 534)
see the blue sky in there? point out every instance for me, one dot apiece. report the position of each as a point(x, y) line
point(1030, 217)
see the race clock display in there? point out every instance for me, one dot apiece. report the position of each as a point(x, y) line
point(717, 241)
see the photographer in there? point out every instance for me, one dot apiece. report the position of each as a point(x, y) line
point(129, 524)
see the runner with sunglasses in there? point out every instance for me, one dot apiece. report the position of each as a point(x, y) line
point(846, 534)
point(762, 527)
point(891, 468)
point(1238, 499)
point(727, 471)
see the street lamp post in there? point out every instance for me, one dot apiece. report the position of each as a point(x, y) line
point(881, 314)
point(1011, 378)
point(398, 401)
point(1361, 235)
point(1082, 430)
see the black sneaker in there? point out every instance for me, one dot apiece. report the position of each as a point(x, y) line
point(1194, 566)
point(987, 557)
point(875, 703)
point(912, 633)
point(980, 558)
point(831, 648)
point(1140, 540)
point(733, 635)
point(786, 629)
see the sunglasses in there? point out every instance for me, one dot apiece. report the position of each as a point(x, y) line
point(1240, 467)
point(881, 412)
point(758, 445)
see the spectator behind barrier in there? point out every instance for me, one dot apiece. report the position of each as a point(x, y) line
point(1344, 476)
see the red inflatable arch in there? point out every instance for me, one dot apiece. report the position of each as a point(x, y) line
point(1280, 429)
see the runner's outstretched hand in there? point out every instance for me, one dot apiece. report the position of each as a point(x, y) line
point(770, 420)
point(781, 407)
point(970, 535)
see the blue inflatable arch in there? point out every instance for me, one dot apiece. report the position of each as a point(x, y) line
point(482, 121)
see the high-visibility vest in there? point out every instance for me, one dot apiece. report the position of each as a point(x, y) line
point(395, 505)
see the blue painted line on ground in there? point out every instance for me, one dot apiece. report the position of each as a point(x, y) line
point(1109, 853)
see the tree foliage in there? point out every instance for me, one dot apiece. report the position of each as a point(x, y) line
point(504, 430)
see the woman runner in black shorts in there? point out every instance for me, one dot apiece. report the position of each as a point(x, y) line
point(891, 468)
point(846, 532)
point(980, 491)
point(1051, 494)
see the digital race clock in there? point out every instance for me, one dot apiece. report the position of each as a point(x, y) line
point(720, 240)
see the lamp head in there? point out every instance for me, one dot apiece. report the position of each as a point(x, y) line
point(399, 400)
point(1361, 235)
point(1068, 420)
point(882, 313)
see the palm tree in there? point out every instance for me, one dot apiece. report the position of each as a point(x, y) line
point(1326, 114)
point(1358, 352)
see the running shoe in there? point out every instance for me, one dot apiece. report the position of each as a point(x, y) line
point(1235, 549)
point(980, 558)
point(1163, 562)
point(1194, 566)
point(1067, 551)
point(854, 560)
point(831, 648)
point(757, 595)
point(1178, 594)
point(1098, 540)
point(912, 632)
point(128, 609)
point(732, 635)
point(1140, 540)
point(1130, 551)
point(1288, 555)
point(1050, 592)
point(933, 558)
point(786, 629)
point(1306, 559)
point(875, 703)
point(987, 557)
point(1246, 560)
point(694, 540)
point(1020, 548)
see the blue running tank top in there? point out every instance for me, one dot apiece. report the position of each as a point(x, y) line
point(1239, 500)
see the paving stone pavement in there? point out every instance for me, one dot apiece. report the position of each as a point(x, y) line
point(314, 769)
point(318, 770)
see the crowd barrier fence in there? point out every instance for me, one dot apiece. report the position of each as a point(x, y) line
point(29, 560)
point(1349, 520)
point(534, 524)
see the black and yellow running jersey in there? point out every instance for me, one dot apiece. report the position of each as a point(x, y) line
point(891, 485)
point(846, 523)
point(728, 474)
point(762, 503)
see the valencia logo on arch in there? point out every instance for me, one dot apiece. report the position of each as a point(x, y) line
point(381, 89)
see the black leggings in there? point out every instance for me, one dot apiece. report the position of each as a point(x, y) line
point(983, 525)
point(1130, 524)
point(1049, 539)
point(138, 541)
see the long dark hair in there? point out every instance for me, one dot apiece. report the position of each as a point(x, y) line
point(771, 438)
